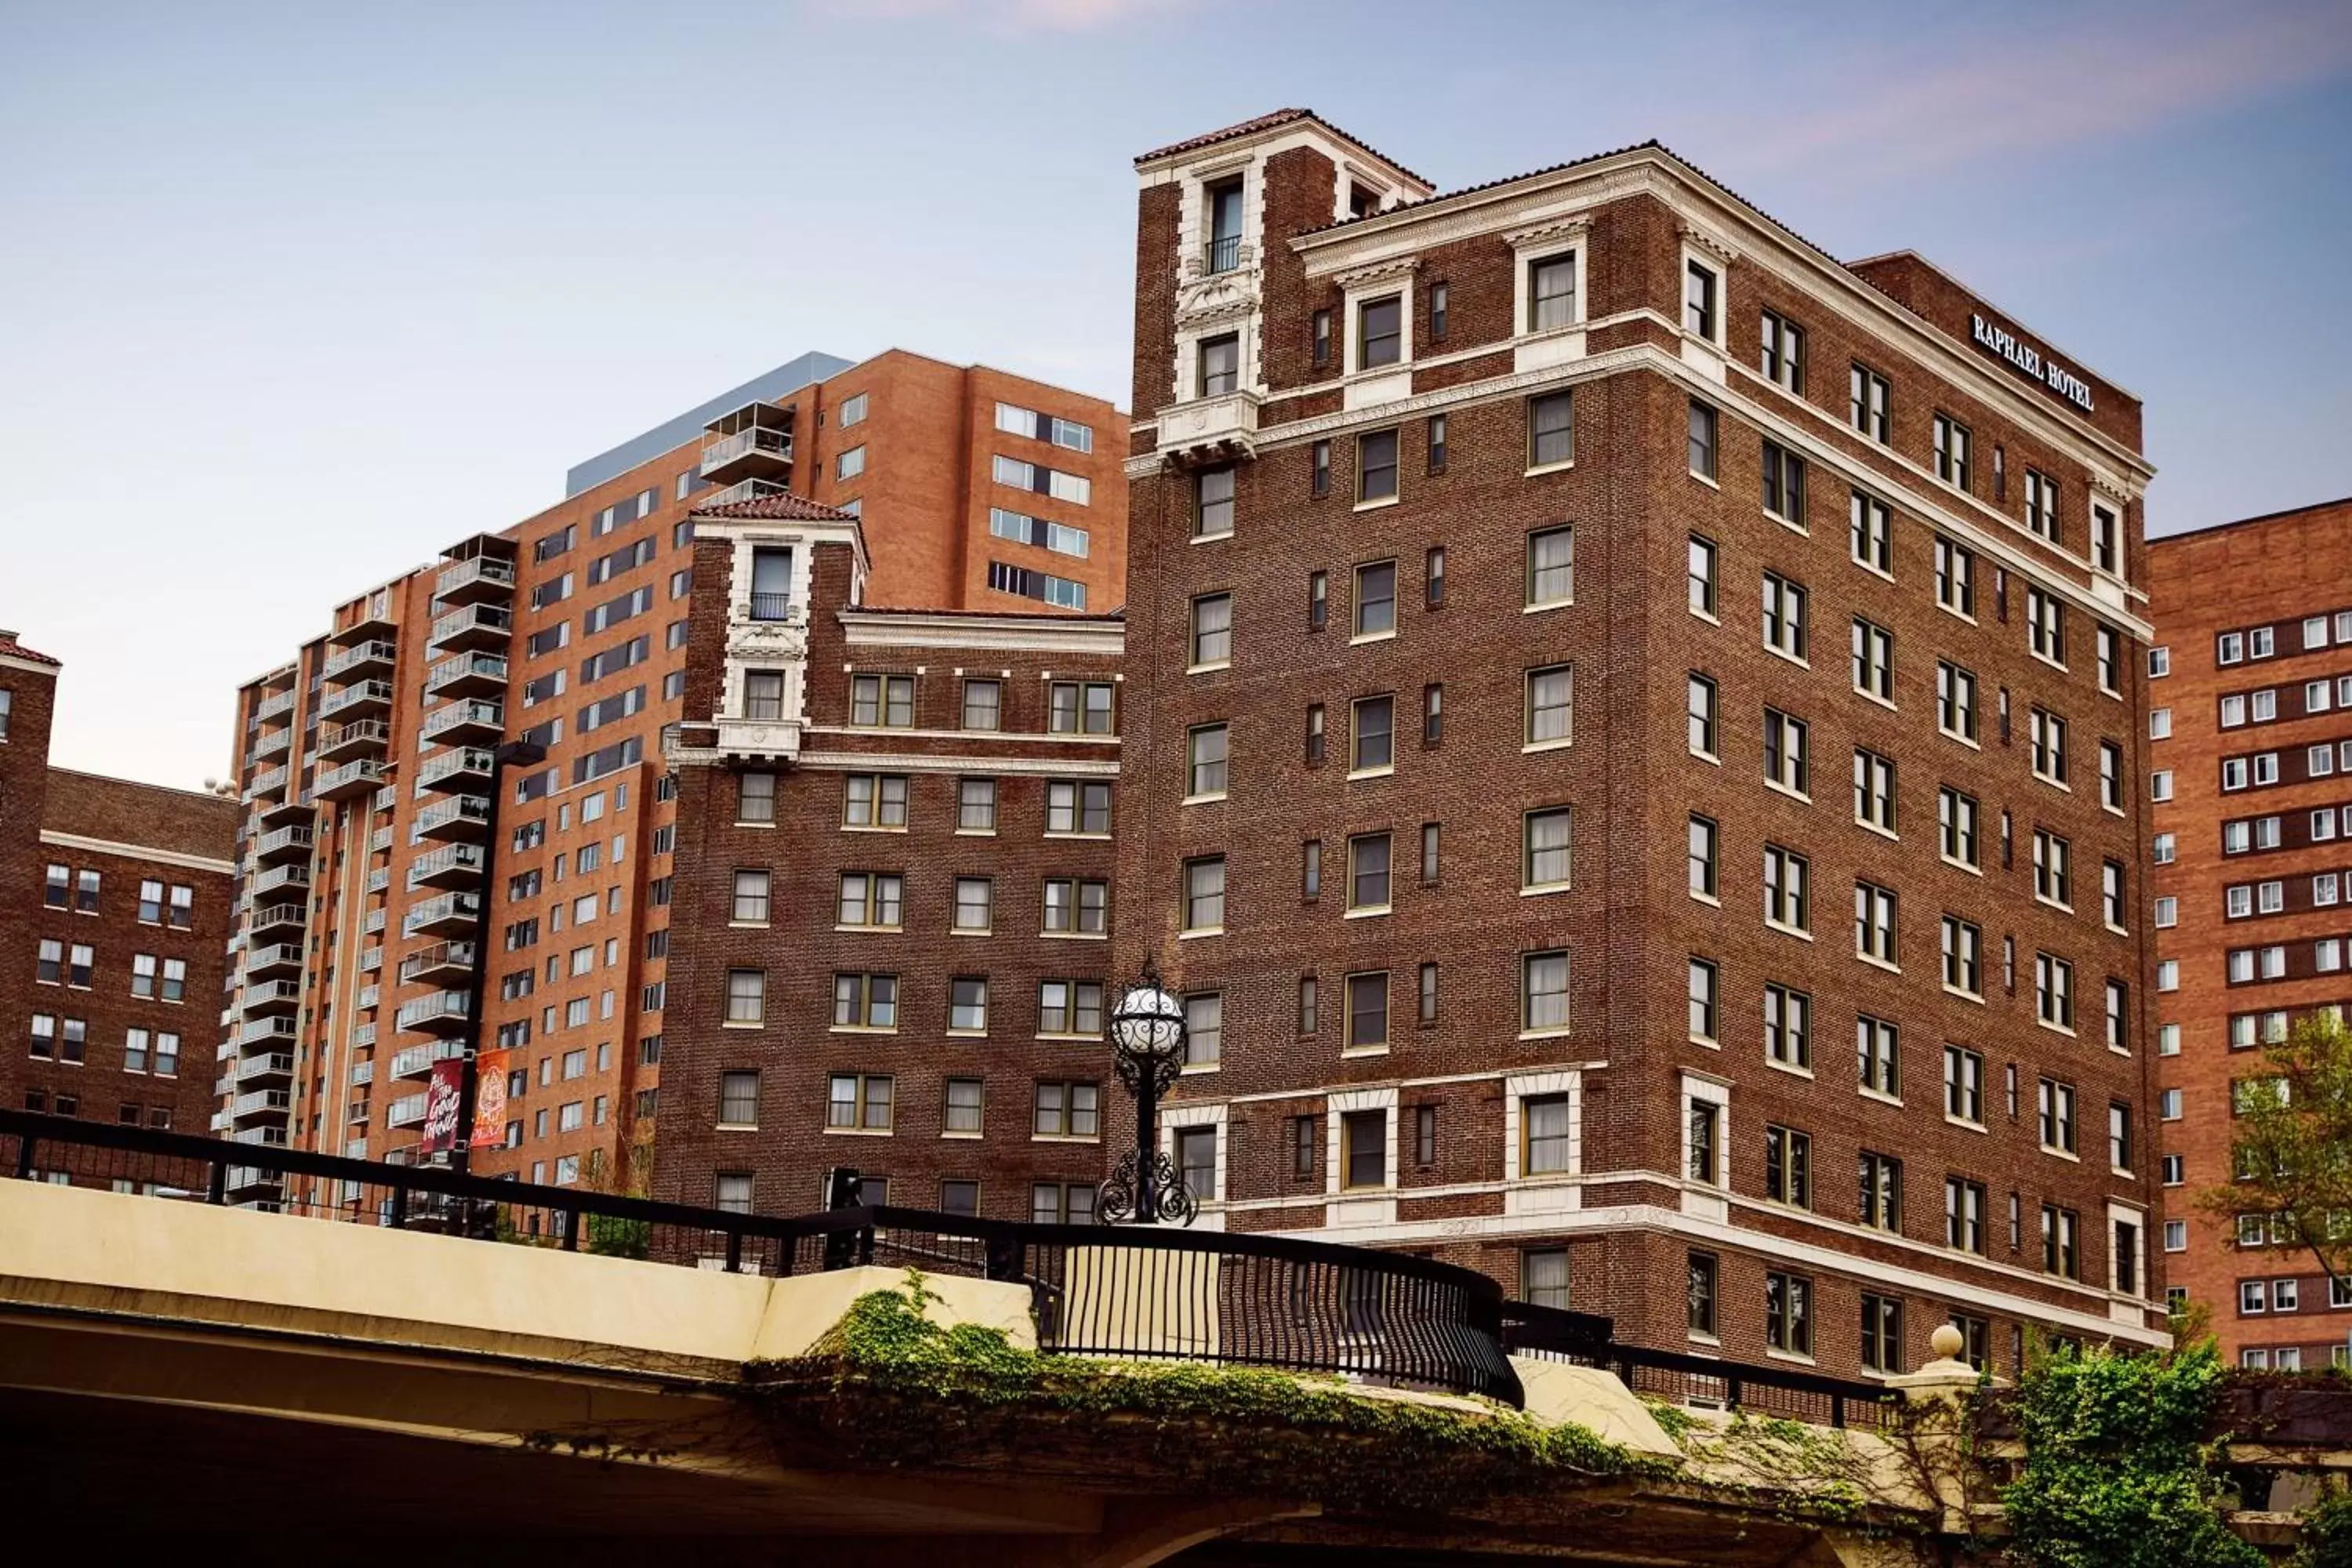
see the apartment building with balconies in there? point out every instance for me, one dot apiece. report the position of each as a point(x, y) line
point(570, 630)
point(1629, 757)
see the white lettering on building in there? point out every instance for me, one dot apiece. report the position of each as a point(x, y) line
point(2057, 377)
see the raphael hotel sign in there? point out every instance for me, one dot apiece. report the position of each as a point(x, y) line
point(2056, 376)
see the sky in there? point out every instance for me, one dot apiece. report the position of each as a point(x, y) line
point(292, 296)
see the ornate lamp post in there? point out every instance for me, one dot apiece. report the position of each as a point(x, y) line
point(1147, 1032)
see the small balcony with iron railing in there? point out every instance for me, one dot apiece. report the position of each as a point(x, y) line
point(742, 490)
point(468, 675)
point(270, 919)
point(281, 880)
point(375, 658)
point(472, 628)
point(463, 768)
point(444, 961)
point(442, 1013)
point(279, 1029)
point(1224, 253)
point(451, 866)
point(451, 914)
point(273, 959)
point(361, 737)
point(281, 844)
point(471, 722)
point(262, 997)
point(264, 1067)
point(352, 779)
point(484, 577)
point(459, 817)
point(361, 700)
point(257, 1104)
point(754, 441)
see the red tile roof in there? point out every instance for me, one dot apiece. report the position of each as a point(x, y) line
point(11, 648)
point(1267, 122)
point(783, 508)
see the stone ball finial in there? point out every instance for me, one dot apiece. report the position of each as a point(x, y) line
point(1947, 1342)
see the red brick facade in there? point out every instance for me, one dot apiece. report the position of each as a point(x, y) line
point(1504, 1121)
point(2254, 781)
point(115, 897)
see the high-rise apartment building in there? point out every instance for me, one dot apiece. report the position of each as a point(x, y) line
point(368, 875)
point(890, 918)
point(114, 902)
point(2250, 711)
point(1630, 752)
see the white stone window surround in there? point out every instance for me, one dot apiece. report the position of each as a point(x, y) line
point(1181, 1114)
point(1523, 1193)
point(1571, 237)
point(780, 645)
point(1364, 388)
point(1337, 1107)
point(1238, 312)
point(2131, 1215)
point(1704, 248)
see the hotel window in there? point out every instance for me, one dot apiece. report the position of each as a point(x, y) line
point(56, 891)
point(1784, 485)
point(870, 899)
point(1363, 1136)
point(1432, 714)
point(1784, 615)
point(961, 1107)
point(2053, 862)
point(1065, 1109)
point(1544, 862)
point(1077, 807)
point(1956, 577)
point(1212, 503)
point(1872, 531)
point(882, 701)
point(872, 800)
point(1320, 337)
point(1786, 898)
point(1079, 708)
point(1550, 706)
point(1223, 202)
point(1368, 872)
point(1220, 365)
point(1204, 777)
point(1704, 997)
point(859, 1102)
point(1375, 606)
point(1703, 427)
point(1551, 430)
point(1956, 820)
point(763, 694)
point(2053, 991)
point(1701, 575)
point(1372, 735)
point(2106, 541)
point(968, 1004)
point(1788, 1028)
point(984, 705)
point(1543, 1276)
point(2111, 775)
point(1873, 790)
point(1873, 922)
point(1076, 905)
point(1874, 660)
point(2230, 648)
point(1782, 358)
point(1551, 567)
point(1955, 701)
point(747, 995)
point(1964, 1215)
point(2054, 1109)
point(1029, 583)
point(1318, 477)
point(1701, 1291)
point(866, 1001)
point(2109, 644)
point(1951, 445)
point(1204, 894)
point(974, 904)
point(2045, 626)
point(975, 806)
point(1866, 398)
point(1702, 717)
point(1964, 1085)
point(1429, 994)
point(1380, 331)
point(738, 1100)
point(143, 974)
point(2041, 505)
point(1551, 293)
point(2119, 1136)
point(2059, 1253)
point(1437, 443)
point(850, 464)
point(1703, 1161)
point(1376, 466)
point(1700, 283)
point(1881, 1191)
point(2111, 894)
point(1702, 854)
point(2049, 733)
point(1368, 1012)
point(1789, 1167)
point(1212, 630)
point(1309, 1020)
point(1878, 1055)
point(1543, 993)
point(1437, 303)
point(1432, 578)
point(1546, 1135)
point(750, 905)
point(1787, 755)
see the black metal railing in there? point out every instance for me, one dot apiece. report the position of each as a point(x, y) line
point(1129, 1292)
point(1789, 1391)
point(1224, 254)
point(771, 607)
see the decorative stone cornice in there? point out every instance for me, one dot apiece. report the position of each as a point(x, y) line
point(1570, 230)
point(1392, 269)
point(1710, 242)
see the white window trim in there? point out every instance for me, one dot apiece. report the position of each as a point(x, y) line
point(1519, 1086)
point(1336, 1109)
point(1172, 1117)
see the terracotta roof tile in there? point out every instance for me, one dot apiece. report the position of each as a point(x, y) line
point(783, 507)
point(1267, 122)
point(11, 648)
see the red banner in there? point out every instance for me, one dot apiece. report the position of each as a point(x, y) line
point(441, 1097)
point(491, 1071)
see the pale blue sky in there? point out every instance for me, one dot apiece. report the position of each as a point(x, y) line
point(291, 296)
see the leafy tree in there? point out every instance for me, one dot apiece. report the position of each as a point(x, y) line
point(2291, 1152)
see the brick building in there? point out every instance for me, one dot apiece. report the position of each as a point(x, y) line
point(1539, 903)
point(364, 762)
point(115, 897)
point(2251, 712)
point(891, 917)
